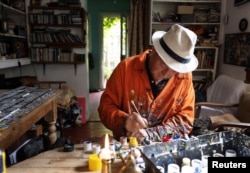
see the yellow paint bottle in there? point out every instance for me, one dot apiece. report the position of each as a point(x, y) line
point(133, 142)
point(3, 162)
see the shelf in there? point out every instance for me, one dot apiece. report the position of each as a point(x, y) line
point(55, 8)
point(61, 45)
point(58, 25)
point(47, 62)
point(13, 62)
point(198, 78)
point(199, 69)
point(189, 1)
point(44, 63)
point(12, 35)
point(206, 47)
point(183, 23)
point(12, 9)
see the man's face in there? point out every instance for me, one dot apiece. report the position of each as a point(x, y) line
point(159, 70)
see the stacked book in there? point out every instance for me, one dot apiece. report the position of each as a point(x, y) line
point(76, 17)
point(49, 17)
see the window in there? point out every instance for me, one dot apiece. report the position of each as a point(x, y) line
point(114, 43)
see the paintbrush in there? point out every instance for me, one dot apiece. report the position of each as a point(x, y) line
point(133, 104)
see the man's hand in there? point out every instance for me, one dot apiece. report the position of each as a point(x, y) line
point(134, 122)
point(135, 125)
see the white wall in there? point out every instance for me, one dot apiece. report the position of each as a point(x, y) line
point(235, 14)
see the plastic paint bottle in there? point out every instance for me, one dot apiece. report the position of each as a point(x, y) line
point(3, 162)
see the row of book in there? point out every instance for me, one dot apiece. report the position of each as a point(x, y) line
point(49, 17)
point(48, 35)
point(46, 54)
point(205, 58)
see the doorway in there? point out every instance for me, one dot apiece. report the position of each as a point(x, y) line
point(114, 43)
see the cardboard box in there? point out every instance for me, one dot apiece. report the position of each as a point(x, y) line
point(185, 9)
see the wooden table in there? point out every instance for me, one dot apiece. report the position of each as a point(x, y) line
point(58, 161)
point(22, 107)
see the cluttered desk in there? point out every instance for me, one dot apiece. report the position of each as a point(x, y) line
point(21, 108)
point(24, 106)
point(179, 155)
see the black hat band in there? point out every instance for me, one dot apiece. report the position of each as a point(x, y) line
point(172, 54)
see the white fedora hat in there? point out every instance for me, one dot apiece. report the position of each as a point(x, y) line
point(176, 48)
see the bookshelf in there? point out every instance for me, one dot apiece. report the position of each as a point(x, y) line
point(207, 57)
point(55, 31)
point(201, 16)
point(13, 35)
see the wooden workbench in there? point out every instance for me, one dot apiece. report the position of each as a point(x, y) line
point(21, 108)
point(58, 161)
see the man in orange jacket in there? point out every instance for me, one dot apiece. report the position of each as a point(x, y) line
point(151, 95)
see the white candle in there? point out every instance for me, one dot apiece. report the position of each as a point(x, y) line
point(106, 152)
